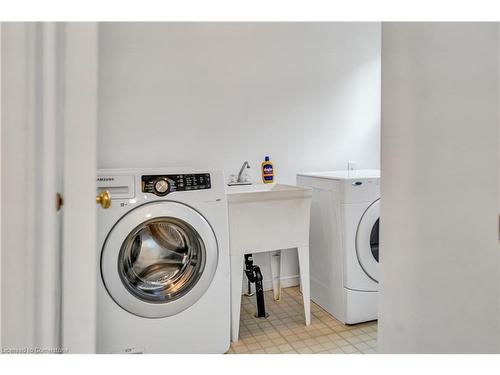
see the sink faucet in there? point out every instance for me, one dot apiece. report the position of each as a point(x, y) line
point(239, 180)
point(245, 165)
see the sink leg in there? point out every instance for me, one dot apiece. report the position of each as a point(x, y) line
point(304, 281)
point(236, 282)
point(249, 292)
point(276, 273)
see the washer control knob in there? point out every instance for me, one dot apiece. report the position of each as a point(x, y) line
point(161, 186)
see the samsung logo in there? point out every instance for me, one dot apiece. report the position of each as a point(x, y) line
point(105, 178)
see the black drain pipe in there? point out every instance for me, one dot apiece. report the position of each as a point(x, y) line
point(255, 276)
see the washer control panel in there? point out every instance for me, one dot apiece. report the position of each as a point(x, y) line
point(161, 185)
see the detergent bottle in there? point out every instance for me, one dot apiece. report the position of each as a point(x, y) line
point(267, 171)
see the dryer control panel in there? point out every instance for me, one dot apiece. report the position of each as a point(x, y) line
point(161, 185)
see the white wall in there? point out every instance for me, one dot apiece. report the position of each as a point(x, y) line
point(212, 95)
point(439, 225)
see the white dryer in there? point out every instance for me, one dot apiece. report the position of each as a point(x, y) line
point(163, 246)
point(344, 242)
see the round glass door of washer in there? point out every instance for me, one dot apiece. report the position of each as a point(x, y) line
point(367, 240)
point(159, 259)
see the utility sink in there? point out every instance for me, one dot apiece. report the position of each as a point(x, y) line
point(268, 218)
point(264, 217)
point(266, 192)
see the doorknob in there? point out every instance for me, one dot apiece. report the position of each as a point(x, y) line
point(104, 199)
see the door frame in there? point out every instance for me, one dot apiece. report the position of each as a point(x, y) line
point(79, 257)
point(48, 105)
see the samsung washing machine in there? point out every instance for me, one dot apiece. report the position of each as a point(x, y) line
point(164, 262)
point(344, 242)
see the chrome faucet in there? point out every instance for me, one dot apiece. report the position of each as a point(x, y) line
point(245, 164)
point(239, 180)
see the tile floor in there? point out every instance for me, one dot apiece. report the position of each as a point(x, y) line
point(284, 330)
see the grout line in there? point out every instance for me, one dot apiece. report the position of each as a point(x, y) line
point(284, 331)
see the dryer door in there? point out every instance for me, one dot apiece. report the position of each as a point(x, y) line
point(159, 259)
point(367, 240)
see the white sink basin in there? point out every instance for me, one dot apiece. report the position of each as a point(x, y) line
point(265, 217)
point(265, 192)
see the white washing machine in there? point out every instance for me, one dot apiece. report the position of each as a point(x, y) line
point(344, 242)
point(164, 262)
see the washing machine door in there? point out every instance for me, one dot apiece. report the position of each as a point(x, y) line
point(367, 240)
point(159, 259)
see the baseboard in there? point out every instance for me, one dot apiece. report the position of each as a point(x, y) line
point(286, 281)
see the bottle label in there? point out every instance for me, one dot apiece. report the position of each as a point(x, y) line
point(268, 169)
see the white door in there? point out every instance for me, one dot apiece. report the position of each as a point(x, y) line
point(31, 218)
point(439, 260)
point(48, 135)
